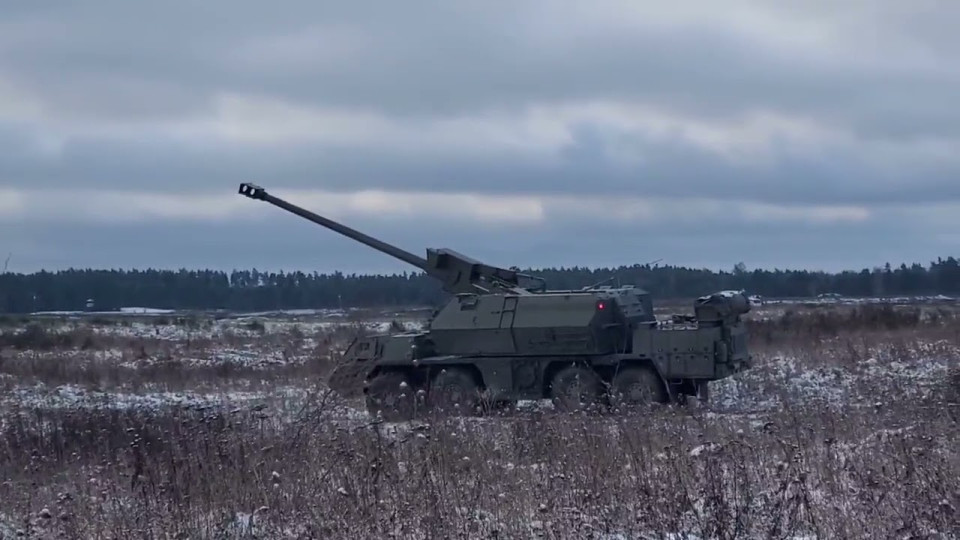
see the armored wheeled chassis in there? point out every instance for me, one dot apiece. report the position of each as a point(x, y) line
point(498, 341)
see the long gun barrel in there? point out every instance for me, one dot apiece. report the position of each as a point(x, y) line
point(458, 273)
point(257, 192)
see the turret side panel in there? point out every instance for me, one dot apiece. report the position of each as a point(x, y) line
point(563, 325)
point(527, 325)
point(565, 311)
point(471, 325)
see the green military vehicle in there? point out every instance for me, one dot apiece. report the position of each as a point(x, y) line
point(503, 337)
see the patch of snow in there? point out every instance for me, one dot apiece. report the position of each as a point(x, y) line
point(144, 310)
point(8, 529)
point(70, 396)
point(832, 299)
point(330, 313)
point(788, 379)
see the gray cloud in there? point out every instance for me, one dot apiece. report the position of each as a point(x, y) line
point(794, 104)
point(664, 170)
point(285, 242)
point(433, 58)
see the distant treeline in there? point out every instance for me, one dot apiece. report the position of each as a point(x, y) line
point(255, 290)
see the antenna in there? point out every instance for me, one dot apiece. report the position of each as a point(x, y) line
point(599, 283)
point(6, 263)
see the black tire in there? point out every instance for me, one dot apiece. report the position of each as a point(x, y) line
point(454, 391)
point(637, 386)
point(392, 395)
point(576, 388)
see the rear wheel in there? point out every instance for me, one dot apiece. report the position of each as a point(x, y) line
point(636, 386)
point(392, 395)
point(576, 388)
point(453, 390)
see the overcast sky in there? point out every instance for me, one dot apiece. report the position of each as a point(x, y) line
point(796, 133)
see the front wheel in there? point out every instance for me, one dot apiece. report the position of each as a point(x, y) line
point(454, 391)
point(392, 396)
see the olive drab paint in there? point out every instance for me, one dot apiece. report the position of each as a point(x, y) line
point(503, 337)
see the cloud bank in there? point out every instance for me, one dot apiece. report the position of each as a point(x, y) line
point(794, 134)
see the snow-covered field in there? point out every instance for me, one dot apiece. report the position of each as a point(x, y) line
point(71, 360)
point(150, 423)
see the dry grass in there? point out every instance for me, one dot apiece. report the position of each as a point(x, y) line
point(800, 472)
point(880, 463)
point(106, 356)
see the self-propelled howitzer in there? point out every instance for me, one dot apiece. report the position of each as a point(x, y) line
point(497, 342)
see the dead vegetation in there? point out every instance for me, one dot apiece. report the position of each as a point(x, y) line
point(802, 472)
point(167, 355)
point(881, 462)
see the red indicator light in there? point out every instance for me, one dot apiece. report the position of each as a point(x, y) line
point(599, 305)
